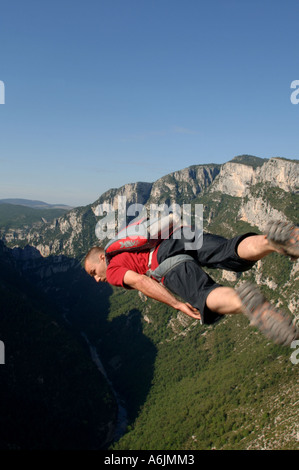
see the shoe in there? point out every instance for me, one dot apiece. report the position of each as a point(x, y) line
point(272, 322)
point(284, 237)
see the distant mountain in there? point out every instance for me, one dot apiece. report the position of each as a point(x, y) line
point(35, 204)
point(15, 216)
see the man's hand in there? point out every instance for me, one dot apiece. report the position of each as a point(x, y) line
point(189, 310)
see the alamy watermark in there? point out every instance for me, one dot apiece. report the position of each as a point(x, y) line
point(2, 92)
point(294, 356)
point(2, 353)
point(161, 222)
point(295, 94)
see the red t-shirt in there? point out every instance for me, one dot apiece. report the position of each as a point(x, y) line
point(123, 262)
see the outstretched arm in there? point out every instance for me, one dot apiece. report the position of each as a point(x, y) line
point(153, 289)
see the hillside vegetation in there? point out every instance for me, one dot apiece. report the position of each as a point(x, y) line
point(14, 216)
point(185, 386)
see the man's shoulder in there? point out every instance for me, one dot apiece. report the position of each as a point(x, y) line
point(122, 255)
point(120, 258)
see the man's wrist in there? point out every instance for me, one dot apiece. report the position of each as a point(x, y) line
point(178, 305)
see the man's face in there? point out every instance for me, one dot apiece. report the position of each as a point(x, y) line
point(97, 269)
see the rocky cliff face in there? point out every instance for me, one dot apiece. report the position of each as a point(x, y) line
point(281, 173)
point(67, 234)
point(251, 184)
point(185, 184)
point(236, 179)
point(189, 183)
point(134, 193)
point(258, 212)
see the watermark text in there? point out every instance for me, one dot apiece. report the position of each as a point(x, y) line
point(2, 353)
point(2, 92)
point(154, 222)
point(295, 355)
point(295, 94)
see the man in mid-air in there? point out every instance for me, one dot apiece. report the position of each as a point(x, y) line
point(203, 298)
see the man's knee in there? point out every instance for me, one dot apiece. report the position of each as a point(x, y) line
point(236, 303)
point(224, 300)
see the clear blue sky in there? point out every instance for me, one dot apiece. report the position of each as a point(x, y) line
point(102, 93)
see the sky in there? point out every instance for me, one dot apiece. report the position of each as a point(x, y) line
point(100, 93)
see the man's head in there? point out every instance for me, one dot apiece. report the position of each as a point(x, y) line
point(95, 264)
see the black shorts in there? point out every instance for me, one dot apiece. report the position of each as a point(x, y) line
point(189, 281)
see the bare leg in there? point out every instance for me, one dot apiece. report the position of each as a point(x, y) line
point(254, 248)
point(224, 300)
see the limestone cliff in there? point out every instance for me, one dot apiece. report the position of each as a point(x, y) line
point(235, 178)
point(253, 187)
point(184, 184)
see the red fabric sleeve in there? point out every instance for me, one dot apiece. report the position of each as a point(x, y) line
point(123, 262)
point(115, 275)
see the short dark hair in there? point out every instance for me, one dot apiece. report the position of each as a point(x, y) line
point(93, 254)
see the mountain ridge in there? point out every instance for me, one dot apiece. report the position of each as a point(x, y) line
point(65, 233)
point(34, 204)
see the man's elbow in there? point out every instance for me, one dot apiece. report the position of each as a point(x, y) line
point(135, 280)
point(140, 282)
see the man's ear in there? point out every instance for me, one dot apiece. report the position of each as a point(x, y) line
point(102, 257)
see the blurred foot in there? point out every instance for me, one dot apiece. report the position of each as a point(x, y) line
point(284, 237)
point(272, 322)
